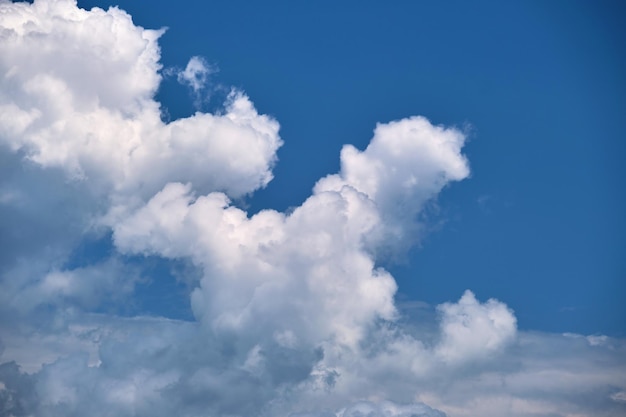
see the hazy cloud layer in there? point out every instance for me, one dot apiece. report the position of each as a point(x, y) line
point(293, 315)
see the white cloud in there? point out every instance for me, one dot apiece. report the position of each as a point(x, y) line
point(425, 158)
point(472, 330)
point(292, 312)
point(406, 164)
point(196, 74)
point(109, 132)
point(541, 375)
point(312, 259)
point(318, 257)
point(82, 142)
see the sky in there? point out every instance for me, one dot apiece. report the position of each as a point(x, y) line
point(319, 209)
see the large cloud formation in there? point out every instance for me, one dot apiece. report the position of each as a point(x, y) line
point(292, 314)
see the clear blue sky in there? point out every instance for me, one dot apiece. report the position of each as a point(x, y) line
point(539, 86)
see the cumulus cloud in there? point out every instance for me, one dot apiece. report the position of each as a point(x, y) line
point(82, 142)
point(109, 132)
point(406, 164)
point(293, 314)
point(471, 329)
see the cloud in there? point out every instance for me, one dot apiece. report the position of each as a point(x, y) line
point(316, 258)
point(471, 329)
point(159, 366)
point(196, 76)
point(542, 375)
point(293, 314)
point(195, 73)
point(82, 142)
point(382, 409)
point(87, 287)
point(406, 164)
point(109, 132)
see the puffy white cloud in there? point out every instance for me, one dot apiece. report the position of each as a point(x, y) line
point(292, 312)
point(406, 164)
point(311, 259)
point(82, 142)
point(472, 330)
point(425, 158)
point(89, 109)
point(316, 258)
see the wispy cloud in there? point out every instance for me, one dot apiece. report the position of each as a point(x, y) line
point(196, 76)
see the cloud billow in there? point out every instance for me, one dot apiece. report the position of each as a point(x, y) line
point(293, 315)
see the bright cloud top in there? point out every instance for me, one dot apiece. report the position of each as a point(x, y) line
point(293, 313)
point(89, 109)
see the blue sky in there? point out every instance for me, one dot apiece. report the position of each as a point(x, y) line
point(186, 232)
point(539, 87)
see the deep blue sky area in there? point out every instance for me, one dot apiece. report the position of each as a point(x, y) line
point(540, 87)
